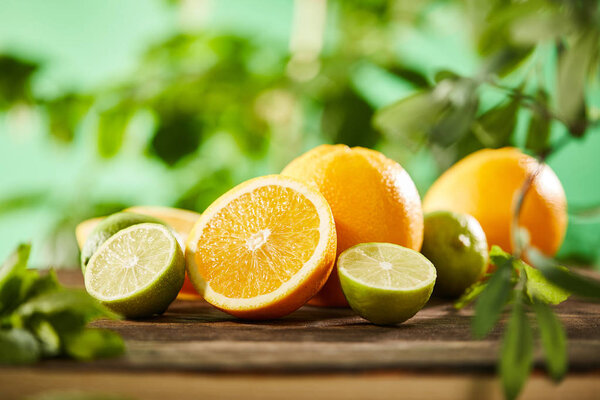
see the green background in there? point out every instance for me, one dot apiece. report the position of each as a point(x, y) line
point(85, 45)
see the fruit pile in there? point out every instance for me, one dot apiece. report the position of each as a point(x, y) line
point(339, 226)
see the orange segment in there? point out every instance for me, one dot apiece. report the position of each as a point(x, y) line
point(263, 249)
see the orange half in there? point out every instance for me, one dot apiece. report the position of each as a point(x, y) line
point(262, 249)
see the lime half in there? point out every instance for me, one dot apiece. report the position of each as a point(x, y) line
point(385, 283)
point(108, 227)
point(138, 271)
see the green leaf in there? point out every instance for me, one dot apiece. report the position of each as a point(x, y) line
point(554, 340)
point(42, 284)
point(409, 120)
point(538, 134)
point(495, 127)
point(17, 346)
point(73, 300)
point(112, 125)
point(539, 287)
point(516, 357)
point(560, 276)
point(47, 336)
point(470, 294)
point(13, 276)
point(176, 137)
point(89, 344)
point(15, 263)
point(15, 81)
point(65, 113)
point(493, 298)
point(574, 66)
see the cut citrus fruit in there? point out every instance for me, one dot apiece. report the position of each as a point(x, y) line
point(138, 271)
point(108, 227)
point(180, 220)
point(385, 283)
point(262, 249)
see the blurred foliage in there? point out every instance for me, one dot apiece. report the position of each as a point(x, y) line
point(202, 86)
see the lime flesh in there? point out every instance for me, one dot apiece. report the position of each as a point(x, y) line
point(138, 271)
point(385, 283)
point(108, 227)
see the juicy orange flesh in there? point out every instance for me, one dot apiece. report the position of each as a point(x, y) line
point(258, 241)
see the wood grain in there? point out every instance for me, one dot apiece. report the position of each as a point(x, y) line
point(193, 342)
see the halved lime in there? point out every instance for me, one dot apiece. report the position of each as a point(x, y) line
point(138, 271)
point(108, 227)
point(385, 283)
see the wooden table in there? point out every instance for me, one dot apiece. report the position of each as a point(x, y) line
point(195, 351)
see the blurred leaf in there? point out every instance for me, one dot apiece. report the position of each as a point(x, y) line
point(495, 127)
point(540, 288)
point(13, 275)
point(554, 340)
point(15, 263)
point(347, 119)
point(112, 124)
point(516, 352)
point(16, 202)
point(65, 113)
point(562, 277)
point(493, 298)
point(574, 66)
point(47, 337)
point(89, 344)
point(15, 80)
point(410, 119)
point(470, 294)
point(410, 75)
point(17, 346)
point(177, 136)
point(445, 75)
point(538, 135)
point(74, 300)
point(456, 119)
point(41, 285)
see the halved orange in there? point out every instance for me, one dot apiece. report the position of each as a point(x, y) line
point(262, 249)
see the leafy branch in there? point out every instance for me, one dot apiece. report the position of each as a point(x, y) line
point(39, 318)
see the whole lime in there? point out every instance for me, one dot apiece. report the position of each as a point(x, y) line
point(108, 227)
point(456, 245)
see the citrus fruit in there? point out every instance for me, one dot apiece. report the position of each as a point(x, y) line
point(485, 184)
point(262, 249)
point(180, 220)
point(83, 230)
point(108, 227)
point(457, 247)
point(373, 199)
point(385, 283)
point(138, 271)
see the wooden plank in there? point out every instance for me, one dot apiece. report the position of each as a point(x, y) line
point(19, 383)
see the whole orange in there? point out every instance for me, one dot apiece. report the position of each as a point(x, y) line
point(373, 199)
point(486, 184)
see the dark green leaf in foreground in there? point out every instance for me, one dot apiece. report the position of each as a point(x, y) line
point(562, 277)
point(538, 134)
point(495, 127)
point(493, 298)
point(554, 340)
point(89, 344)
point(17, 346)
point(517, 351)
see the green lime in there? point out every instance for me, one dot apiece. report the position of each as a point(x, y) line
point(456, 245)
point(108, 227)
point(138, 271)
point(385, 283)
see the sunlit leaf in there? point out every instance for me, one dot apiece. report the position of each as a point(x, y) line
point(65, 113)
point(470, 294)
point(112, 125)
point(554, 340)
point(516, 353)
point(540, 288)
